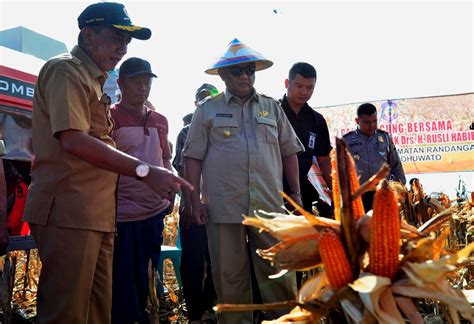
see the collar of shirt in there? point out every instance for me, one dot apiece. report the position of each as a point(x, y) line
point(358, 132)
point(90, 65)
point(228, 96)
point(286, 107)
point(137, 114)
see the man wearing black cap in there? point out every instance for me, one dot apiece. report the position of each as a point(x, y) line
point(196, 274)
point(141, 132)
point(71, 203)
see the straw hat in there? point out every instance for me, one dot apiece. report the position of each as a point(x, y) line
point(237, 53)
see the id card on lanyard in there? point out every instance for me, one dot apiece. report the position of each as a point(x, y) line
point(312, 140)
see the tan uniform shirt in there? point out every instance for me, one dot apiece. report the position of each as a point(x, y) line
point(68, 95)
point(241, 146)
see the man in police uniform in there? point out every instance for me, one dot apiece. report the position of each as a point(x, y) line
point(71, 203)
point(371, 147)
point(242, 143)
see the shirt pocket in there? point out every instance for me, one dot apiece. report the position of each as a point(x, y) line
point(267, 131)
point(383, 150)
point(225, 130)
point(101, 120)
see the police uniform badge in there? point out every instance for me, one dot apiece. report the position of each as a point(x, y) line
point(380, 138)
point(356, 157)
point(264, 113)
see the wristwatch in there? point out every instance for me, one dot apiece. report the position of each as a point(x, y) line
point(141, 171)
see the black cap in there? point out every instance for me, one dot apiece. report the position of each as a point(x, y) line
point(135, 66)
point(201, 91)
point(114, 15)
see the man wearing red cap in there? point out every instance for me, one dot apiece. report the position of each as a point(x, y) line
point(241, 143)
point(71, 203)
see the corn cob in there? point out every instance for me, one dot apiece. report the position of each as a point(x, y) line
point(336, 189)
point(357, 207)
point(385, 233)
point(335, 261)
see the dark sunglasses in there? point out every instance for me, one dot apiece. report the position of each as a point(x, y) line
point(237, 71)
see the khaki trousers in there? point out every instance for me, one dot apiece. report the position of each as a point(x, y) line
point(75, 284)
point(231, 261)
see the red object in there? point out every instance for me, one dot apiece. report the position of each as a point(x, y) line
point(14, 223)
point(16, 88)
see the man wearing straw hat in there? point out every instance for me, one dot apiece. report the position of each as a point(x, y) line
point(241, 143)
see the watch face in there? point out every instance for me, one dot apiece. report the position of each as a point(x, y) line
point(142, 170)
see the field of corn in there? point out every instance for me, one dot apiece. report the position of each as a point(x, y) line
point(409, 259)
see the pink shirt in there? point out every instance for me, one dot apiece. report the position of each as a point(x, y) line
point(147, 139)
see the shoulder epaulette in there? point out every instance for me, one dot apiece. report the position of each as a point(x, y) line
point(348, 133)
point(211, 98)
point(268, 97)
point(68, 57)
point(204, 100)
point(75, 60)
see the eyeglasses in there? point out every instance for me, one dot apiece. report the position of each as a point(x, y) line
point(237, 71)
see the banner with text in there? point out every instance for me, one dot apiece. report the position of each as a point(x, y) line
point(432, 134)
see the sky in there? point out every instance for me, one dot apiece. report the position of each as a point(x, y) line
point(362, 50)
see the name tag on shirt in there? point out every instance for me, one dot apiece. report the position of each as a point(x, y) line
point(312, 140)
point(224, 115)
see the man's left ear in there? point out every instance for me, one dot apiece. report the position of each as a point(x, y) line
point(287, 83)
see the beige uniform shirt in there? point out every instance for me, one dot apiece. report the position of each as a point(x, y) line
point(68, 95)
point(241, 146)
